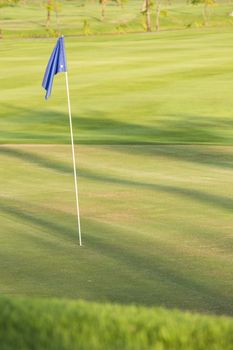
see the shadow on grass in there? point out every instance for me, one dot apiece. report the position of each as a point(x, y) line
point(19, 210)
point(177, 285)
point(145, 272)
point(208, 155)
point(191, 194)
point(33, 158)
point(97, 127)
point(209, 199)
point(180, 287)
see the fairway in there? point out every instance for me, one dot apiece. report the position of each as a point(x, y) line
point(153, 132)
point(137, 89)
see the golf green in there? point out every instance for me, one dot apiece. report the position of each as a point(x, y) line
point(156, 224)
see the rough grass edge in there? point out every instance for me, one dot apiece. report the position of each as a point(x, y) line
point(27, 323)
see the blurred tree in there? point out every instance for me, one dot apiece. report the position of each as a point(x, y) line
point(4, 3)
point(57, 9)
point(146, 10)
point(86, 27)
point(49, 8)
point(103, 7)
point(121, 3)
point(157, 13)
point(206, 7)
point(53, 5)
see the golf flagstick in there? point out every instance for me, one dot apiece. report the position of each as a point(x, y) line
point(74, 161)
point(57, 64)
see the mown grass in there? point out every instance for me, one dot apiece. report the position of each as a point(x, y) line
point(30, 20)
point(136, 89)
point(156, 222)
point(156, 219)
point(28, 324)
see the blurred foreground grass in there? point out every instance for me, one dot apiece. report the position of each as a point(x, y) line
point(38, 324)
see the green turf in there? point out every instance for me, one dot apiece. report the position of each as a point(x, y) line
point(137, 89)
point(156, 221)
point(62, 325)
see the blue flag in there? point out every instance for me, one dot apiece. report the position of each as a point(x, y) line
point(56, 64)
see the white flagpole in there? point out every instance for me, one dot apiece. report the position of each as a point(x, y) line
point(74, 162)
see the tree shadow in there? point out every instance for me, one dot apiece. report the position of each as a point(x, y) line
point(97, 127)
point(20, 211)
point(214, 156)
point(217, 201)
point(161, 277)
point(209, 199)
point(161, 265)
point(33, 158)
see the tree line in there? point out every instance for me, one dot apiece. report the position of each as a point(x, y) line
point(148, 8)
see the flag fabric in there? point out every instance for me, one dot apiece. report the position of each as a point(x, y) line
point(56, 64)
